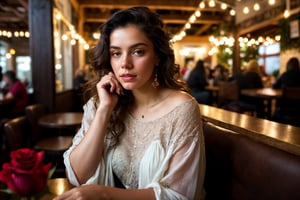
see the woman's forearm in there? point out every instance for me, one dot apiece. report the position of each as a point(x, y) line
point(86, 156)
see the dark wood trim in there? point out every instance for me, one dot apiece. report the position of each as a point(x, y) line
point(42, 51)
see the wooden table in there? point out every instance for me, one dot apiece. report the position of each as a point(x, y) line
point(212, 88)
point(57, 186)
point(281, 136)
point(268, 94)
point(61, 120)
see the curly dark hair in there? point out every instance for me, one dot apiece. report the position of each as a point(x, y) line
point(167, 71)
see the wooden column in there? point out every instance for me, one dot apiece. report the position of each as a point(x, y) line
point(236, 54)
point(42, 51)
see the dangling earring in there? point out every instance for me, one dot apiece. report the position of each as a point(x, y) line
point(155, 82)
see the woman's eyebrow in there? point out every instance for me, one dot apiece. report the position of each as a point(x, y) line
point(131, 47)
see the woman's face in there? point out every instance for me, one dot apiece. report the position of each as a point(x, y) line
point(132, 57)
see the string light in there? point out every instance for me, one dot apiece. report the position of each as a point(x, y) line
point(15, 34)
point(223, 6)
point(71, 34)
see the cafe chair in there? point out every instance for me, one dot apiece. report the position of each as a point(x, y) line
point(229, 98)
point(16, 132)
point(42, 139)
point(289, 106)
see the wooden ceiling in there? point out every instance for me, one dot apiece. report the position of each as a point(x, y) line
point(14, 15)
point(92, 13)
point(175, 14)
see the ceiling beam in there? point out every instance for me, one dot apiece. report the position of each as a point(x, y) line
point(161, 4)
point(203, 29)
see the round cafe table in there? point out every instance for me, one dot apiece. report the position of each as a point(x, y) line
point(57, 186)
point(61, 120)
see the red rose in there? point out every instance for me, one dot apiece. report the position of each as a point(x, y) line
point(25, 175)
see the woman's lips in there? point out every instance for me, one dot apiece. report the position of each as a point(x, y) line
point(127, 77)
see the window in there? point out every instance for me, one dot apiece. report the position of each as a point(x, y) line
point(24, 70)
point(269, 57)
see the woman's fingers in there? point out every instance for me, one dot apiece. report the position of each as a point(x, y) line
point(111, 84)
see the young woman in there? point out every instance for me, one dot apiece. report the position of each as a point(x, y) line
point(140, 128)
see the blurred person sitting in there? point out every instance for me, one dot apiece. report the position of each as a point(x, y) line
point(197, 81)
point(80, 78)
point(16, 91)
point(291, 77)
point(186, 71)
point(219, 74)
point(250, 78)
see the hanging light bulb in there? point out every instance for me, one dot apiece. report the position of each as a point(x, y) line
point(256, 7)
point(223, 6)
point(246, 10)
point(198, 13)
point(202, 5)
point(286, 13)
point(187, 25)
point(272, 2)
point(232, 12)
point(212, 3)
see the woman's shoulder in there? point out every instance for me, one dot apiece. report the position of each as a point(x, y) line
point(178, 99)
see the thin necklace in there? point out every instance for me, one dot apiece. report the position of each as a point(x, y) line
point(143, 116)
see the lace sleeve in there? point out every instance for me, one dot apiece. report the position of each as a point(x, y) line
point(88, 115)
point(184, 176)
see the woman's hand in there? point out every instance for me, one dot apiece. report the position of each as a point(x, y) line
point(108, 89)
point(85, 192)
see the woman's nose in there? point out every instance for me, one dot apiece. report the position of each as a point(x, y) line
point(126, 61)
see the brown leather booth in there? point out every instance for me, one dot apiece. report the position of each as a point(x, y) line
point(240, 168)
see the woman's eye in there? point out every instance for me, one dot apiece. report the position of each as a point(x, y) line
point(115, 53)
point(138, 52)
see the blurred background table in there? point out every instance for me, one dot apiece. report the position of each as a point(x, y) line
point(61, 120)
point(268, 94)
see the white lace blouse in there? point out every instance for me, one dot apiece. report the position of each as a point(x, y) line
point(166, 154)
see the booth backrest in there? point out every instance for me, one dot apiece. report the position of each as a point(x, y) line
point(240, 168)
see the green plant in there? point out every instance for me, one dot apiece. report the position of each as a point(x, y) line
point(286, 42)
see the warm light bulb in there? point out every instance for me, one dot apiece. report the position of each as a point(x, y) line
point(198, 13)
point(58, 16)
point(246, 10)
point(12, 51)
point(272, 2)
point(192, 19)
point(286, 13)
point(212, 3)
point(223, 6)
point(232, 12)
point(27, 34)
point(277, 38)
point(187, 25)
point(256, 7)
point(202, 5)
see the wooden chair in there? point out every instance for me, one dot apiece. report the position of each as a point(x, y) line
point(289, 106)
point(53, 144)
point(229, 98)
